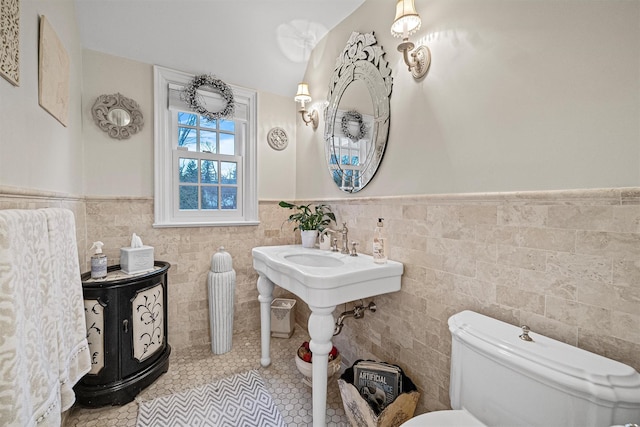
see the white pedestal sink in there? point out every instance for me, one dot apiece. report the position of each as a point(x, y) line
point(322, 279)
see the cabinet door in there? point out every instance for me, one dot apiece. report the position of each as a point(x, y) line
point(101, 308)
point(144, 327)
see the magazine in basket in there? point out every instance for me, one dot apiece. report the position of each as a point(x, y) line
point(378, 383)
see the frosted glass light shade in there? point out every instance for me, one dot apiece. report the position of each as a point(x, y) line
point(303, 94)
point(407, 20)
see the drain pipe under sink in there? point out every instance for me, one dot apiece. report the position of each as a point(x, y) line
point(356, 313)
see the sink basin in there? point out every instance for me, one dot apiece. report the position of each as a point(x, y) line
point(314, 260)
point(323, 278)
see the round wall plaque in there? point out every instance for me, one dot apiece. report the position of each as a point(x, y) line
point(277, 138)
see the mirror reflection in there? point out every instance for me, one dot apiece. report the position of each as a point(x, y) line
point(357, 123)
point(119, 116)
point(352, 149)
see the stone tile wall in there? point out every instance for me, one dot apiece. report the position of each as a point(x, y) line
point(189, 250)
point(566, 263)
point(17, 198)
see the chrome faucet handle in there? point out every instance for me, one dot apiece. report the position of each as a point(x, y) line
point(334, 245)
point(525, 333)
point(353, 249)
point(345, 239)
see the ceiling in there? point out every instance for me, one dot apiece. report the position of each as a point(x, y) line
point(259, 44)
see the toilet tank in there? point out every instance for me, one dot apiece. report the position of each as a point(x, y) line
point(505, 381)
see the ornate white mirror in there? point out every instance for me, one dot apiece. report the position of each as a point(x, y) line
point(358, 114)
point(117, 115)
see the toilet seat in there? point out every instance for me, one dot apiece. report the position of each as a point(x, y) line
point(451, 418)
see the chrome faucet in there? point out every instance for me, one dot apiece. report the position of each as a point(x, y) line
point(345, 240)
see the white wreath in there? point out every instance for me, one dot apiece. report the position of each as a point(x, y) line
point(190, 96)
point(353, 116)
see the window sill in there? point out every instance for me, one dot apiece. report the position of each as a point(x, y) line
point(206, 224)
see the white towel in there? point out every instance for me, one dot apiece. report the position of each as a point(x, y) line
point(40, 354)
point(73, 349)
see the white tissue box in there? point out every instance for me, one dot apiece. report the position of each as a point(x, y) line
point(136, 260)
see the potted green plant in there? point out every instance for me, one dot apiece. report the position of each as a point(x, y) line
point(310, 220)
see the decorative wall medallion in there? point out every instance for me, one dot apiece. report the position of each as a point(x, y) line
point(94, 317)
point(191, 97)
point(117, 115)
point(148, 322)
point(277, 139)
point(10, 41)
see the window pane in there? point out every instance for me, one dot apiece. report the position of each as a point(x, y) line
point(209, 169)
point(206, 123)
point(186, 119)
point(208, 141)
point(348, 178)
point(188, 197)
point(228, 125)
point(337, 177)
point(209, 197)
point(344, 159)
point(228, 172)
point(355, 161)
point(334, 159)
point(229, 197)
point(227, 144)
point(188, 170)
point(187, 138)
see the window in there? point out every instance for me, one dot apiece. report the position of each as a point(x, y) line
point(205, 170)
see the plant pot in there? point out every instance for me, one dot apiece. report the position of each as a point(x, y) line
point(306, 368)
point(309, 238)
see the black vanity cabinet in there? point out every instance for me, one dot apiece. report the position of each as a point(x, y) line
point(126, 318)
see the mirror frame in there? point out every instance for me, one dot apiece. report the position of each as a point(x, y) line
point(106, 103)
point(362, 59)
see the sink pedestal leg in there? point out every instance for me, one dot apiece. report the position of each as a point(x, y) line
point(321, 325)
point(265, 288)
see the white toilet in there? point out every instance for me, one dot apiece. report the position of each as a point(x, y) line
point(500, 379)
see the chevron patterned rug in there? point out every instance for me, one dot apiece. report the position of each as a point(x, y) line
point(240, 400)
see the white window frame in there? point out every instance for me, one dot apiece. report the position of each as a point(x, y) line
point(166, 198)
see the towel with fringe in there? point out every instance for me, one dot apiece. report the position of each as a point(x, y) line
point(43, 346)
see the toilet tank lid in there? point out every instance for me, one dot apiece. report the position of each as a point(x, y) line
point(549, 359)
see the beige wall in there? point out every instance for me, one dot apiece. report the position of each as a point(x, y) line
point(128, 163)
point(565, 263)
point(276, 169)
point(521, 95)
point(36, 151)
point(189, 251)
point(515, 100)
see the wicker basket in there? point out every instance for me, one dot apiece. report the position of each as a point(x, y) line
point(360, 414)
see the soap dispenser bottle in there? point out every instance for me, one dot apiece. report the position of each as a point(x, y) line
point(379, 243)
point(98, 262)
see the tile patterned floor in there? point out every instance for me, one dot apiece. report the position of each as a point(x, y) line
point(197, 366)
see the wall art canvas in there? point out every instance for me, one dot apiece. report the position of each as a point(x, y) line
point(53, 73)
point(10, 40)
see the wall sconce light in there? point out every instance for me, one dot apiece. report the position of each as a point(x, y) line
point(407, 22)
point(303, 96)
